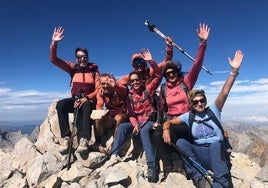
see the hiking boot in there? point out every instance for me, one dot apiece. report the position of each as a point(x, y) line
point(202, 183)
point(153, 173)
point(83, 146)
point(65, 145)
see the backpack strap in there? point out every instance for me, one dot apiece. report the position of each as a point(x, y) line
point(163, 93)
point(184, 87)
point(213, 117)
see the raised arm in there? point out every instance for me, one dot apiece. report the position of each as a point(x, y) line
point(235, 65)
point(157, 72)
point(203, 34)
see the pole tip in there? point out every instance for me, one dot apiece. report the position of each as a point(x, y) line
point(146, 22)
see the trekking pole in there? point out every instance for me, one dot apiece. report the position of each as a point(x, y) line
point(153, 28)
point(205, 173)
point(80, 95)
point(71, 139)
point(127, 140)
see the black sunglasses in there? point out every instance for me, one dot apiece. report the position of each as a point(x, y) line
point(81, 56)
point(171, 72)
point(133, 80)
point(195, 102)
point(139, 63)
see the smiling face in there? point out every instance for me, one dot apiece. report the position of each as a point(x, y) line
point(199, 103)
point(139, 65)
point(81, 59)
point(171, 75)
point(135, 81)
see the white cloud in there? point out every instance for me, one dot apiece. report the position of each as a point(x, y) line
point(247, 101)
point(27, 104)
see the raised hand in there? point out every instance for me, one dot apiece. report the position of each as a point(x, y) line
point(203, 32)
point(57, 34)
point(238, 58)
point(168, 40)
point(146, 55)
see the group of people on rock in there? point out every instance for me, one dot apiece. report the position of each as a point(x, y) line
point(130, 102)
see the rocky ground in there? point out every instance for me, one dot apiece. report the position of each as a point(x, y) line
point(34, 161)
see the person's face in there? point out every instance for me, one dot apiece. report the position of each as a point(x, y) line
point(171, 75)
point(105, 84)
point(199, 103)
point(134, 81)
point(81, 59)
point(139, 65)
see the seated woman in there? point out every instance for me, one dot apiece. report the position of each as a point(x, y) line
point(208, 138)
point(140, 108)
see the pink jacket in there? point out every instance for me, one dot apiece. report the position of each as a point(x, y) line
point(176, 97)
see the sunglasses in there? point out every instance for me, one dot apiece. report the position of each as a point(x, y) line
point(139, 63)
point(202, 101)
point(104, 83)
point(81, 56)
point(134, 80)
point(171, 72)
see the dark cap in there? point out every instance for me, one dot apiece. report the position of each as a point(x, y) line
point(171, 65)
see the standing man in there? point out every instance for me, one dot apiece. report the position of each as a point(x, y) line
point(85, 82)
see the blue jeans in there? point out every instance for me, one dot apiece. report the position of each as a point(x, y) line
point(125, 129)
point(211, 157)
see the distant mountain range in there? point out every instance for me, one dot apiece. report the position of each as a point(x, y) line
point(26, 127)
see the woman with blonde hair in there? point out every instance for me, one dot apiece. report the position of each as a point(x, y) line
point(208, 146)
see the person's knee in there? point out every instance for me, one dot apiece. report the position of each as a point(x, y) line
point(120, 118)
point(59, 105)
point(181, 142)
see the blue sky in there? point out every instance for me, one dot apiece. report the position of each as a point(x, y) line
point(113, 30)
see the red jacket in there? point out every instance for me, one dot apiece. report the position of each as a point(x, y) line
point(114, 101)
point(87, 79)
point(140, 109)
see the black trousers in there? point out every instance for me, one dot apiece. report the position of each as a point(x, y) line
point(84, 122)
point(163, 149)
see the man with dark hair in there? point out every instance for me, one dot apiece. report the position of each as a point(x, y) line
point(85, 84)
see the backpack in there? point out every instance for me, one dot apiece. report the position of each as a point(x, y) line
point(226, 144)
point(164, 101)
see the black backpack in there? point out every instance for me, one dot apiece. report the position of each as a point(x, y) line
point(211, 116)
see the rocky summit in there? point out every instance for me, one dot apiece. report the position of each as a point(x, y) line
point(35, 161)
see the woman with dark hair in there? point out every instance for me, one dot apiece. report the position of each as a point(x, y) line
point(207, 147)
point(140, 108)
point(173, 97)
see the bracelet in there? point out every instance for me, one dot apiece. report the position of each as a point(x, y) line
point(87, 98)
point(234, 74)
